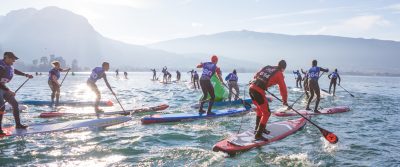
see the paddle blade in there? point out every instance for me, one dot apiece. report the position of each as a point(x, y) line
point(246, 105)
point(329, 136)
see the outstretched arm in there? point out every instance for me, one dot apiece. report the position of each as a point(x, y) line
point(324, 70)
point(17, 72)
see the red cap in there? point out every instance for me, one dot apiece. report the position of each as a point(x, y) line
point(214, 59)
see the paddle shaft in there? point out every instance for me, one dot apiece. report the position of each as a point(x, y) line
point(64, 78)
point(346, 91)
point(297, 112)
point(17, 89)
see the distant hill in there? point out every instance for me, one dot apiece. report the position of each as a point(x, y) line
point(347, 54)
point(32, 33)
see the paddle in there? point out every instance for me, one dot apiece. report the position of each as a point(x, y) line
point(64, 77)
point(329, 136)
point(243, 102)
point(325, 91)
point(347, 91)
point(126, 113)
point(16, 92)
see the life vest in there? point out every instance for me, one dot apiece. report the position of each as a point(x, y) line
point(9, 72)
point(97, 73)
point(313, 73)
point(262, 77)
point(209, 69)
point(232, 77)
point(334, 75)
point(55, 72)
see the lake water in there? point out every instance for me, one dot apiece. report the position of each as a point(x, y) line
point(368, 135)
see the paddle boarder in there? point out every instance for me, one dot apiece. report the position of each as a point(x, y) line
point(196, 80)
point(263, 79)
point(191, 75)
point(334, 76)
point(305, 83)
point(209, 69)
point(154, 74)
point(98, 73)
point(7, 72)
point(232, 80)
point(298, 78)
point(313, 76)
point(178, 75)
point(126, 74)
point(54, 76)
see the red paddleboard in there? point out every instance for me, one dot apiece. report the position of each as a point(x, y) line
point(245, 141)
point(332, 110)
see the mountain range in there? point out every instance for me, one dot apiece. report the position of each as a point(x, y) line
point(32, 33)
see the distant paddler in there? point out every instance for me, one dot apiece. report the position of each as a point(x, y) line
point(54, 76)
point(334, 76)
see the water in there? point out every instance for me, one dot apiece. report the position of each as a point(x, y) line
point(368, 134)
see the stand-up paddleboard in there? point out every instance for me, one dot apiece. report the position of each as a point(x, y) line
point(333, 110)
point(228, 103)
point(70, 103)
point(160, 118)
point(71, 125)
point(245, 141)
point(126, 112)
point(21, 107)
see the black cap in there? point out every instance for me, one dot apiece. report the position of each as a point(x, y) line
point(11, 55)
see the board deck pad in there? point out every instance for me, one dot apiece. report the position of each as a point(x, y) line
point(245, 140)
point(332, 110)
point(64, 126)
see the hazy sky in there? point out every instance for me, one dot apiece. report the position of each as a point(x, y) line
point(147, 21)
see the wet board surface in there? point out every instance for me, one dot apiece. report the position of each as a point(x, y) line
point(126, 112)
point(332, 110)
point(159, 118)
point(47, 128)
point(71, 103)
point(245, 140)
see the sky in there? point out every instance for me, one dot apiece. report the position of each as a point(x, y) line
point(143, 22)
